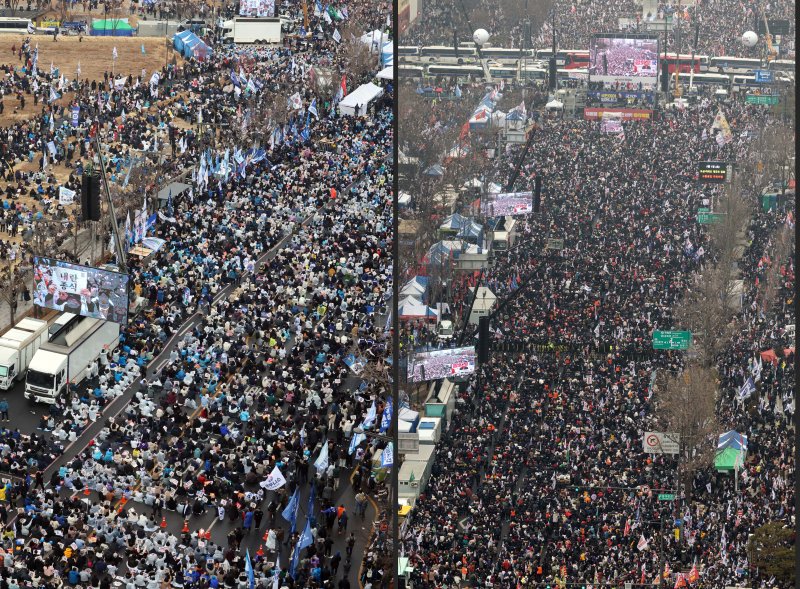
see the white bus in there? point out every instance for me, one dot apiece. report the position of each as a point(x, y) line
point(15, 25)
point(444, 54)
point(705, 79)
point(458, 71)
point(734, 65)
point(506, 56)
point(410, 71)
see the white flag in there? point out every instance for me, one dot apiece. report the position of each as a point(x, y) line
point(65, 196)
point(337, 36)
point(114, 54)
point(642, 545)
point(322, 460)
point(274, 481)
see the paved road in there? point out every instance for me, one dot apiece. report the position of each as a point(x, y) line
point(25, 416)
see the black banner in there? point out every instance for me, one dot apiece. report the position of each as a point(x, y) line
point(712, 172)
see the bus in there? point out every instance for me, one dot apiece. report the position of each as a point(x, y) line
point(782, 65)
point(735, 65)
point(410, 71)
point(15, 25)
point(506, 56)
point(442, 53)
point(573, 74)
point(568, 59)
point(685, 61)
point(458, 71)
point(407, 51)
point(704, 79)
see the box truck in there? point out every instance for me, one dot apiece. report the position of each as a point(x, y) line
point(63, 360)
point(17, 347)
point(252, 30)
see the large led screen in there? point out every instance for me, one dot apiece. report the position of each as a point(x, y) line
point(452, 362)
point(624, 59)
point(83, 290)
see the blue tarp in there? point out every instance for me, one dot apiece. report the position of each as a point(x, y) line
point(190, 45)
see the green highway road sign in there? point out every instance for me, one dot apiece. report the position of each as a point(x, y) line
point(666, 497)
point(705, 218)
point(755, 99)
point(672, 340)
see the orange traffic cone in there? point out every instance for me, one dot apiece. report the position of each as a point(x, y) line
point(260, 550)
point(265, 536)
point(207, 535)
point(163, 522)
point(185, 529)
point(124, 500)
point(86, 491)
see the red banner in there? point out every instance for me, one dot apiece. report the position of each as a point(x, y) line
point(622, 113)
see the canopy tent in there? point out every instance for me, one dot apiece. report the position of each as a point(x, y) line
point(112, 27)
point(434, 170)
point(190, 45)
point(374, 39)
point(470, 230)
point(386, 73)
point(474, 183)
point(173, 188)
point(404, 199)
point(387, 55)
point(454, 222)
point(419, 311)
point(356, 103)
point(731, 451)
point(554, 105)
point(416, 287)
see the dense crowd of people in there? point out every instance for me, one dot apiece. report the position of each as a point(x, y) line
point(280, 266)
point(541, 477)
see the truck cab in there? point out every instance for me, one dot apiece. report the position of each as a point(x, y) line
point(445, 331)
point(47, 377)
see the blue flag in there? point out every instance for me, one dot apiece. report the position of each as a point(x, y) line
point(386, 418)
point(290, 512)
point(311, 496)
point(306, 538)
point(387, 456)
point(248, 568)
point(293, 562)
point(355, 441)
point(143, 51)
point(458, 92)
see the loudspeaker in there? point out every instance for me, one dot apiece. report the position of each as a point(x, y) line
point(483, 339)
point(664, 76)
point(90, 198)
point(552, 73)
point(537, 194)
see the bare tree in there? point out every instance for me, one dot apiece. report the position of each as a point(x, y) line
point(686, 405)
point(13, 280)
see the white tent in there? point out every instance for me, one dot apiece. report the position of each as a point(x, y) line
point(356, 103)
point(375, 40)
point(554, 104)
point(386, 73)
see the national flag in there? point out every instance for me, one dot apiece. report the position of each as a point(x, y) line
point(643, 544)
point(248, 568)
point(756, 368)
point(387, 456)
point(627, 527)
point(290, 511)
point(31, 29)
point(748, 388)
point(321, 463)
point(344, 85)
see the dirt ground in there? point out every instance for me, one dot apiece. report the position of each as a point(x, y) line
point(94, 53)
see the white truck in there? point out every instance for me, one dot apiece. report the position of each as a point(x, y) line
point(260, 30)
point(63, 360)
point(17, 347)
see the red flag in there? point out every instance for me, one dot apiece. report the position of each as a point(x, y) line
point(344, 85)
point(627, 527)
point(694, 576)
point(680, 581)
point(667, 570)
